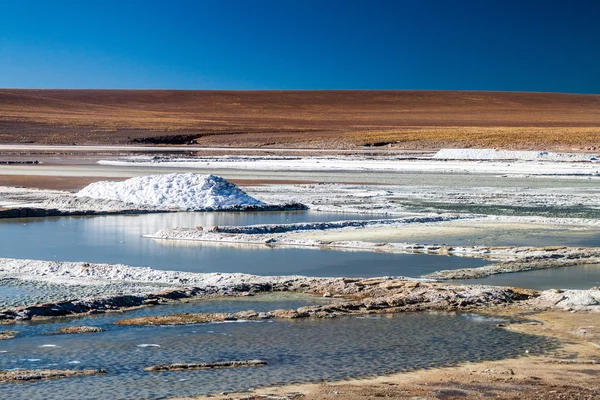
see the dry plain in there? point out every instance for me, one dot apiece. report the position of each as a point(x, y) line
point(314, 119)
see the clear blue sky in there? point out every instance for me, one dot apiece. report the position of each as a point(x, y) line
point(515, 45)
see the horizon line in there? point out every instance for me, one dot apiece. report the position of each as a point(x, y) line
point(304, 90)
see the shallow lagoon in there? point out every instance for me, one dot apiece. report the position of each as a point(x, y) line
point(117, 239)
point(304, 350)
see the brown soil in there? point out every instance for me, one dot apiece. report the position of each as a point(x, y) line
point(69, 183)
point(320, 119)
point(76, 183)
point(572, 372)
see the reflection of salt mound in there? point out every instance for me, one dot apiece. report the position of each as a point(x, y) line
point(187, 191)
point(493, 154)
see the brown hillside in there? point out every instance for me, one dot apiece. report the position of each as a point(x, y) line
point(408, 119)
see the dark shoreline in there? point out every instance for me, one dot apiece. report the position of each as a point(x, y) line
point(35, 212)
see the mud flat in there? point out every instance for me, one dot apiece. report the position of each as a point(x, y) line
point(206, 365)
point(21, 375)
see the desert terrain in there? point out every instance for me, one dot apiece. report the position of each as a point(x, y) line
point(309, 119)
point(389, 220)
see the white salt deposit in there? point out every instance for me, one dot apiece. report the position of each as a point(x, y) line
point(580, 300)
point(493, 154)
point(450, 160)
point(183, 191)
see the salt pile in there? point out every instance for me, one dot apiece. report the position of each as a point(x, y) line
point(493, 154)
point(183, 191)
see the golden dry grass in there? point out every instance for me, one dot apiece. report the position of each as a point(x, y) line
point(564, 138)
point(409, 119)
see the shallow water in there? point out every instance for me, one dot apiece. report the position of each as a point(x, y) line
point(487, 234)
point(575, 277)
point(297, 351)
point(586, 212)
point(258, 303)
point(17, 292)
point(117, 239)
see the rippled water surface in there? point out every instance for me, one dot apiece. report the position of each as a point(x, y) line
point(258, 303)
point(117, 239)
point(575, 277)
point(296, 350)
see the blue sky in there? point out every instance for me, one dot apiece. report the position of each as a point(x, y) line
point(292, 44)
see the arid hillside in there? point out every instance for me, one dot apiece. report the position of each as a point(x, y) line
point(336, 119)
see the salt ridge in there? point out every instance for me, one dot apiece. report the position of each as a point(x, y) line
point(493, 154)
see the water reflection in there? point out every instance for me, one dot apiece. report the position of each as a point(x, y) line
point(117, 239)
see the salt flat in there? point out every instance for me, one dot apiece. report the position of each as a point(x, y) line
point(504, 212)
point(587, 168)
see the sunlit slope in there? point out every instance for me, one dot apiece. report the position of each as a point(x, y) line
point(337, 119)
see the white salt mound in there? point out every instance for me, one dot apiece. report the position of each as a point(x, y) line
point(492, 154)
point(184, 191)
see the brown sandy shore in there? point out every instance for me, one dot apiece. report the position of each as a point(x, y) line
point(317, 119)
point(571, 372)
point(68, 183)
point(76, 183)
point(24, 375)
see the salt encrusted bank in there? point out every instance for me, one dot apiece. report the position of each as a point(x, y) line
point(145, 194)
point(495, 154)
point(364, 295)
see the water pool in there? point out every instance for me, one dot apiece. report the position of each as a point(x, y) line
point(306, 350)
point(117, 239)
